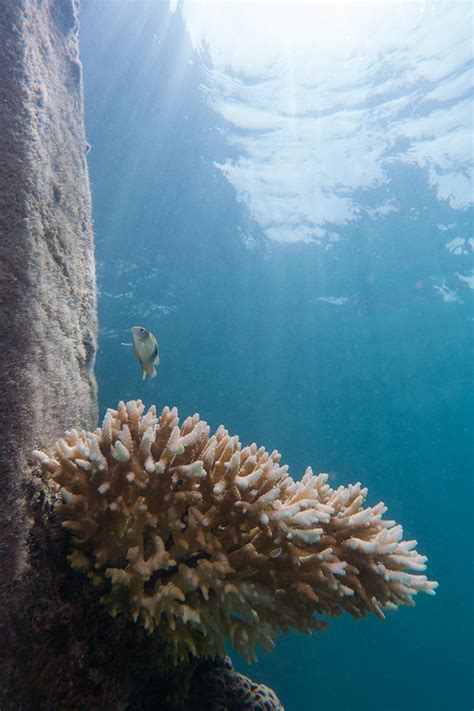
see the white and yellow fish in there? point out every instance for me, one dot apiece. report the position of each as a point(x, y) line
point(145, 347)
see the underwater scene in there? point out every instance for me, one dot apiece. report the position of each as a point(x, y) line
point(282, 197)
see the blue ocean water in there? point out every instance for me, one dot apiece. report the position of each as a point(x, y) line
point(297, 230)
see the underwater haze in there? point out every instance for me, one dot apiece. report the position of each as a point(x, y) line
point(282, 195)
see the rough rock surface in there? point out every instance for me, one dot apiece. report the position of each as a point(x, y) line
point(47, 281)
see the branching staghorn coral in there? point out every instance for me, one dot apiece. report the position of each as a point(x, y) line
point(200, 539)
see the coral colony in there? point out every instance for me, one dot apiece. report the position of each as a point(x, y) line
point(199, 539)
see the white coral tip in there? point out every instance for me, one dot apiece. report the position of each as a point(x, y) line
point(218, 488)
point(120, 452)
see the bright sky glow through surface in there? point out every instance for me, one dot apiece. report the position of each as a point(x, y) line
point(323, 100)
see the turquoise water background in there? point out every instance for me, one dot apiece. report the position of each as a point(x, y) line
point(349, 349)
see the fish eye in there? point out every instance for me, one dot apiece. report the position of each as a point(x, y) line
point(142, 330)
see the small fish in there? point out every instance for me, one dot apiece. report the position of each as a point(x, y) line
point(145, 347)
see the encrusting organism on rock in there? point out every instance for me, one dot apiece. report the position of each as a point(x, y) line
point(214, 685)
point(199, 539)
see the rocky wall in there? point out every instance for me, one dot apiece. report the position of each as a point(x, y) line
point(48, 322)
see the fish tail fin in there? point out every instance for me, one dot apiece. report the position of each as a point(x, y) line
point(148, 372)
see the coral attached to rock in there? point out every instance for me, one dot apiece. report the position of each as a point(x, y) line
point(224, 689)
point(200, 539)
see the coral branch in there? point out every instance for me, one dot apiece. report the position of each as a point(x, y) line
point(201, 540)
